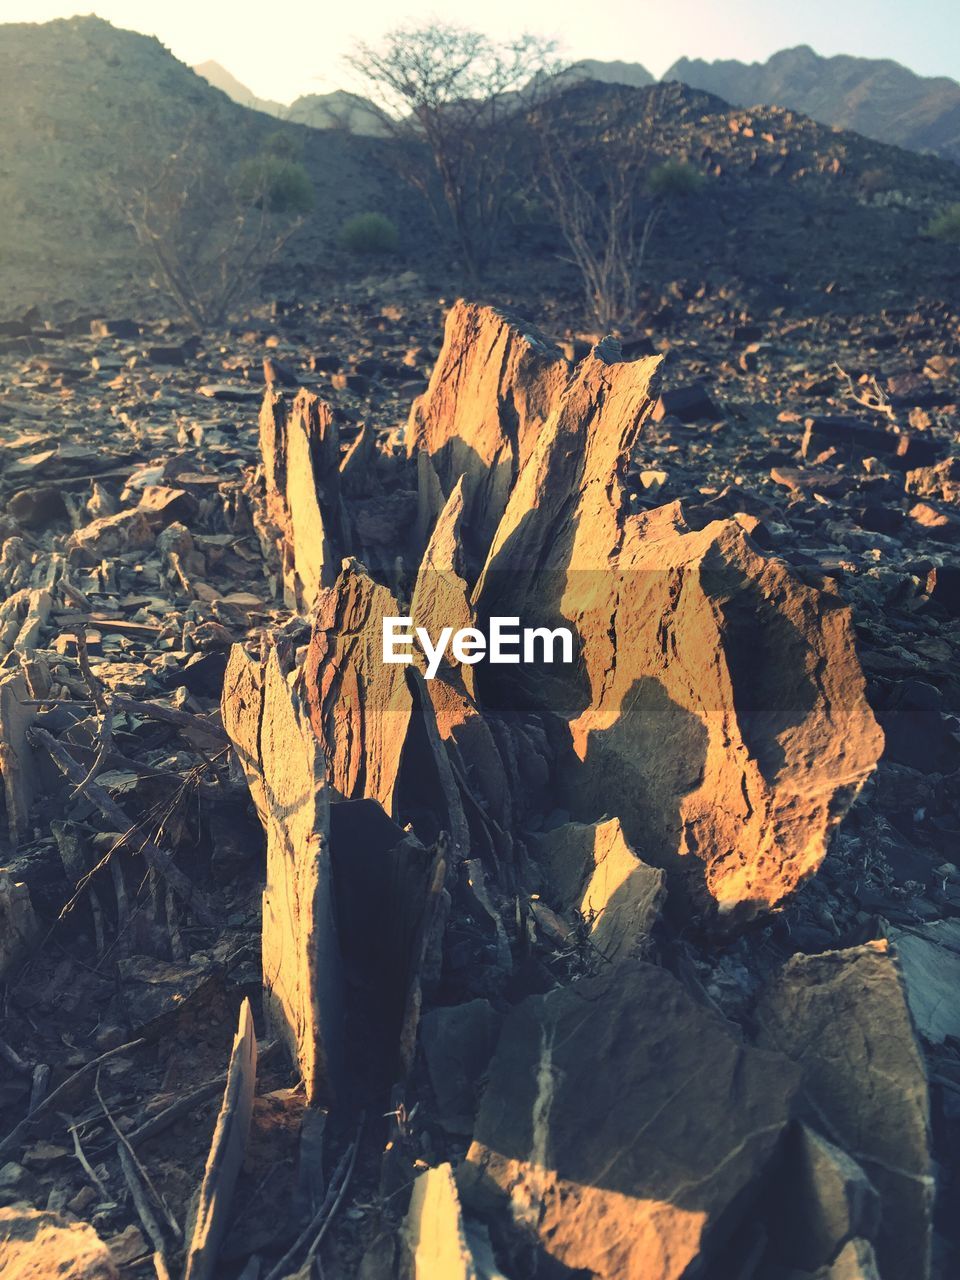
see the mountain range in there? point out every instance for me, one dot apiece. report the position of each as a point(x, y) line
point(876, 97)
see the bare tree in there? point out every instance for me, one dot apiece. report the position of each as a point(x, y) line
point(457, 101)
point(607, 191)
point(209, 227)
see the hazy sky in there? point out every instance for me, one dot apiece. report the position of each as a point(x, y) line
point(285, 48)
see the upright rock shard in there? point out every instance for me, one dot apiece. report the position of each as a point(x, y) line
point(302, 976)
point(299, 444)
point(491, 390)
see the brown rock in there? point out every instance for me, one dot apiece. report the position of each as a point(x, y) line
point(301, 458)
point(843, 1018)
point(434, 1232)
point(270, 729)
point(624, 1126)
point(112, 536)
point(360, 707)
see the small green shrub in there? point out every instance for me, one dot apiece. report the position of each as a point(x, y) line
point(674, 180)
point(280, 184)
point(946, 225)
point(369, 234)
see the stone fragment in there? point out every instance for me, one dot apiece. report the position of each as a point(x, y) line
point(37, 1244)
point(625, 1128)
point(858, 436)
point(941, 481)
point(303, 986)
point(827, 1200)
point(856, 1261)
point(226, 1154)
point(943, 587)
point(458, 1042)
point(592, 869)
point(492, 388)
point(120, 328)
point(18, 765)
point(434, 1231)
point(231, 393)
point(19, 926)
point(166, 355)
point(299, 445)
point(112, 536)
point(842, 1017)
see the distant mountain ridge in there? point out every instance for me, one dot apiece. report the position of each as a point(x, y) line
point(874, 96)
point(336, 110)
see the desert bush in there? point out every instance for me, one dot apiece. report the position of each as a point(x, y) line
point(369, 234)
point(453, 100)
point(210, 224)
point(673, 180)
point(607, 190)
point(946, 225)
point(280, 184)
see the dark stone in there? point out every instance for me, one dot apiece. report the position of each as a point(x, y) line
point(858, 436)
point(458, 1043)
point(166, 355)
point(943, 587)
point(689, 404)
point(276, 373)
point(114, 329)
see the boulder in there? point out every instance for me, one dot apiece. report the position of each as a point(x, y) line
point(625, 1127)
point(714, 694)
point(843, 1018)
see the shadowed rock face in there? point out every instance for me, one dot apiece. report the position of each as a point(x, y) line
point(623, 1124)
point(843, 1017)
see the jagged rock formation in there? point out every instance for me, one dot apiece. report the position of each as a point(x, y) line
point(704, 737)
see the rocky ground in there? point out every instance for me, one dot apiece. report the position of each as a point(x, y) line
point(149, 527)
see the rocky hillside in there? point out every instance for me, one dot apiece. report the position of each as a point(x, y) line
point(874, 96)
point(790, 206)
point(86, 108)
